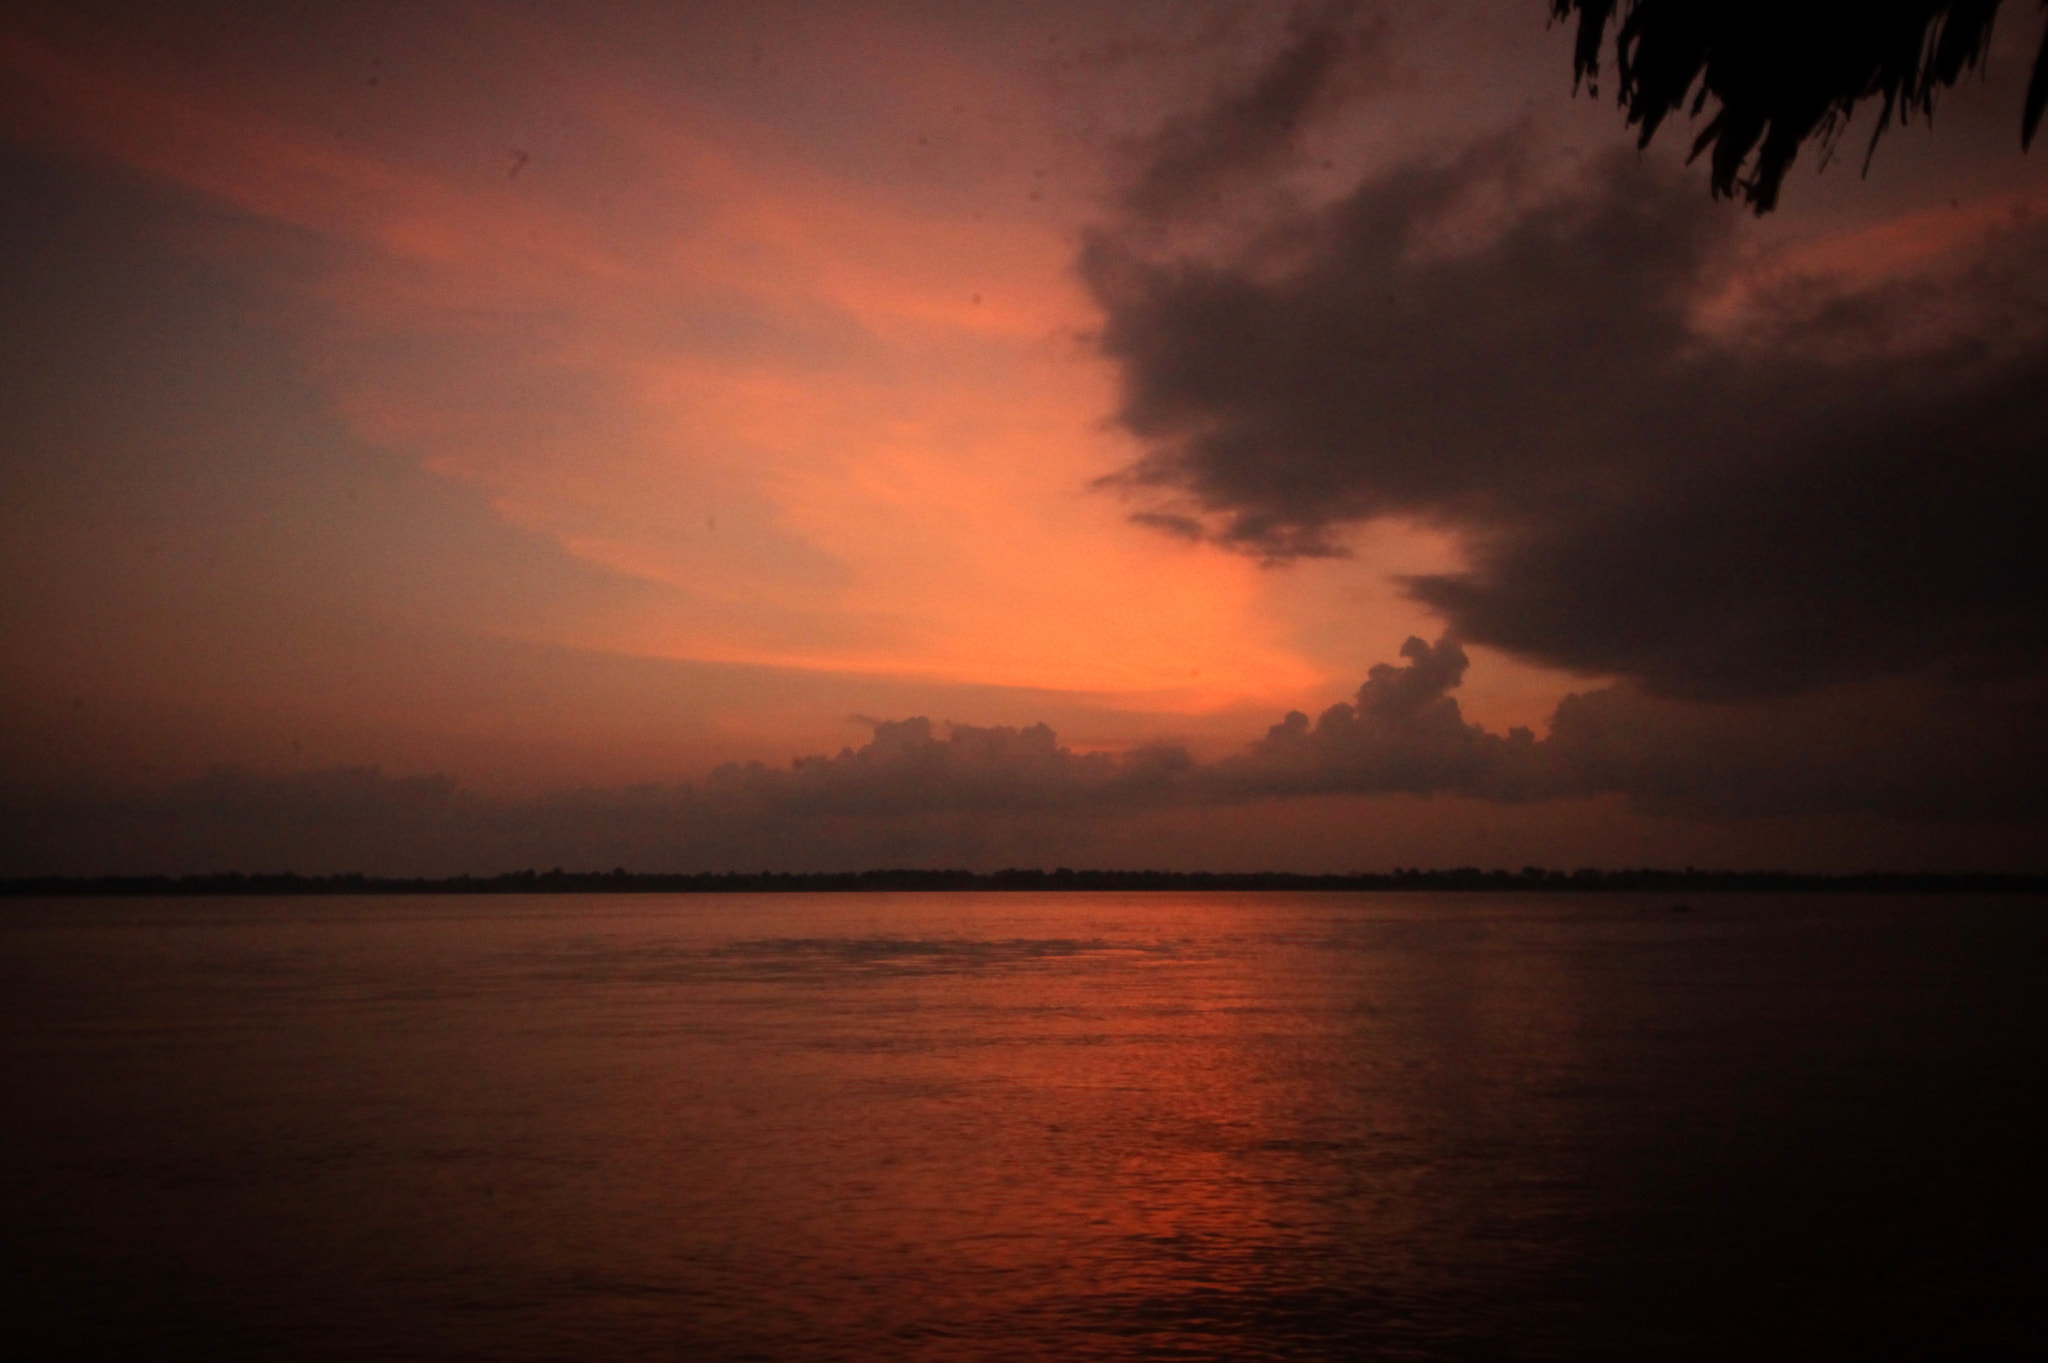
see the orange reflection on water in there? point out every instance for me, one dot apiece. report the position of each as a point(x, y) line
point(1129, 1136)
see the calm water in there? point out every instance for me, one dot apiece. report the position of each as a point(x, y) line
point(1082, 1127)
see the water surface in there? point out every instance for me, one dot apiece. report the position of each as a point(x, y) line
point(1063, 1126)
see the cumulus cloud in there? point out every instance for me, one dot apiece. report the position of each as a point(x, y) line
point(1843, 487)
point(1403, 732)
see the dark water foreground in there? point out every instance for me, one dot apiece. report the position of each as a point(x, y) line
point(1072, 1126)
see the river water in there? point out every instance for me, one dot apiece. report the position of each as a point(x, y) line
point(993, 1126)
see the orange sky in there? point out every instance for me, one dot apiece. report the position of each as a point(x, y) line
point(582, 397)
point(837, 421)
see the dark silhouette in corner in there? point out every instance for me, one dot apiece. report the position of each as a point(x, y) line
point(1786, 73)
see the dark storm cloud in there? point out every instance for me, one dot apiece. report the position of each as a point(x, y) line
point(1848, 489)
point(1328, 375)
point(1817, 502)
point(1806, 539)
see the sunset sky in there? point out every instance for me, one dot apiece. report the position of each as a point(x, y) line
point(452, 437)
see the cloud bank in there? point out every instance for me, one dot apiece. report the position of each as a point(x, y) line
point(924, 794)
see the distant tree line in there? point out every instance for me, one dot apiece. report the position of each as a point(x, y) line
point(620, 881)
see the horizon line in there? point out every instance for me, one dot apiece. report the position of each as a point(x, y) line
point(621, 881)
